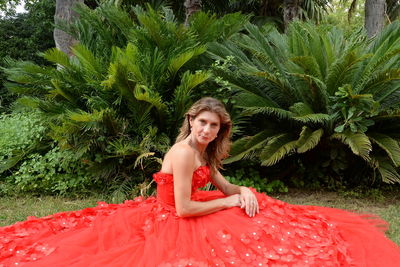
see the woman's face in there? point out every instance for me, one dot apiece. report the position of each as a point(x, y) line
point(205, 127)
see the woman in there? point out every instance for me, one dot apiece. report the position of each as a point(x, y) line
point(183, 226)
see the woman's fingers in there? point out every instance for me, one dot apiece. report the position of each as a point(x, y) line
point(250, 205)
point(254, 207)
point(242, 202)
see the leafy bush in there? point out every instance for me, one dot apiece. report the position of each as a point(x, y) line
point(312, 91)
point(22, 36)
point(251, 178)
point(119, 101)
point(21, 134)
point(56, 171)
point(28, 163)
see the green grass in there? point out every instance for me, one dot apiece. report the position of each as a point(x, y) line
point(13, 209)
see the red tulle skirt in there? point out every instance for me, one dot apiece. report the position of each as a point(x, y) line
point(146, 232)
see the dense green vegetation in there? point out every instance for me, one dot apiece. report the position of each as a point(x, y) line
point(314, 106)
point(22, 37)
point(117, 105)
point(316, 94)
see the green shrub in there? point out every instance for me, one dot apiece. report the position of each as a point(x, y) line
point(21, 134)
point(311, 91)
point(23, 36)
point(56, 171)
point(252, 178)
point(119, 102)
point(248, 173)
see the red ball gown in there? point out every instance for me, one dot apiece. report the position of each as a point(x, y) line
point(148, 232)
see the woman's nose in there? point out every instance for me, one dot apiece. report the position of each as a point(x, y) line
point(207, 128)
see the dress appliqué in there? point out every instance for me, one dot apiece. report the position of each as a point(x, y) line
point(147, 232)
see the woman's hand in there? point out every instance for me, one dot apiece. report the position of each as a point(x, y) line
point(233, 201)
point(248, 201)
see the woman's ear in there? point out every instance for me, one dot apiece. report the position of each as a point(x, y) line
point(190, 119)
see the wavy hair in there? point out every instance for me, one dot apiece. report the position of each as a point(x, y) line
point(218, 149)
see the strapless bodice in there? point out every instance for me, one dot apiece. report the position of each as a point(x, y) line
point(165, 183)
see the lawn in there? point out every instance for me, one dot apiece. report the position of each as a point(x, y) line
point(17, 209)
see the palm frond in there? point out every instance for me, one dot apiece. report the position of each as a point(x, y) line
point(180, 60)
point(359, 143)
point(259, 45)
point(342, 68)
point(246, 147)
point(183, 92)
point(308, 66)
point(385, 49)
point(59, 90)
point(387, 171)
point(276, 112)
point(247, 99)
point(277, 148)
point(143, 93)
point(308, 139)
point(89, 62)
point(319, 118)
point(389, 145)
point(316, 90)
point(304, 113)
point(56, 56)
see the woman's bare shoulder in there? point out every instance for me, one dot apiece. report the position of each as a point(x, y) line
point(181, 149)
point(178, 154)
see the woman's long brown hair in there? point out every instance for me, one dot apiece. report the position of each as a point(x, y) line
point(218, 149)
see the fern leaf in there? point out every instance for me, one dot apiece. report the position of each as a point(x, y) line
point(315, 88)
point(56, 56)
point(60, 91)
point(304, 113)
point(247, 99)
point(313, 118)
point(387, 171)
point(301, 109)
point(247, 146)
point(308, 139)
point(277, 112)
point(308, 65)
point(389, 145)
point(180, 60)
point(142, 93)
point(90, 64)
point(183, 94)
point(277, 148)
point(359, 143)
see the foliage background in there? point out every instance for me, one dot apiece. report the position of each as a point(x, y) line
point(23, 36)
point(103, 119)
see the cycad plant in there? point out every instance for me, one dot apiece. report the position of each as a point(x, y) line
point(313, 93)
point(118, 102)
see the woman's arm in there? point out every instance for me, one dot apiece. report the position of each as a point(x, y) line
point(183, 166)
point(247, 198)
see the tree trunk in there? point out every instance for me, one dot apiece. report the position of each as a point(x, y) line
point(64, 12)
point(191, 6)
point(374, 16)
point(290, 11)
